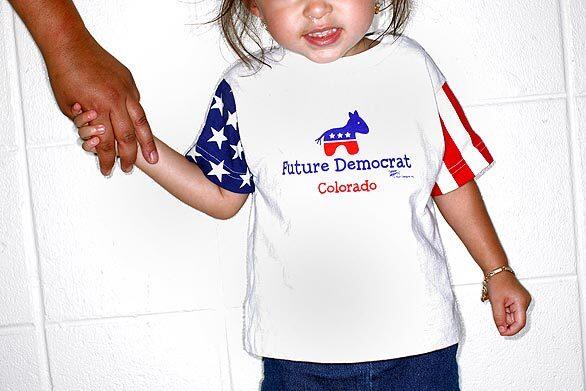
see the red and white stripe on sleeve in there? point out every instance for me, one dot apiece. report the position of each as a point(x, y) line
point(466, 157)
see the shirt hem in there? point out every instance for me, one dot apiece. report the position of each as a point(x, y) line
point(421, 349)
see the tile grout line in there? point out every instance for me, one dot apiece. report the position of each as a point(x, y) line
point(34, 277)
point(536, 279)
point(575, 159)
point(114, 318)
point(11, 328)
point(516, 99)
point(224, 313)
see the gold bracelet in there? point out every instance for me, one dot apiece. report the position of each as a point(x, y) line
point(484, 296)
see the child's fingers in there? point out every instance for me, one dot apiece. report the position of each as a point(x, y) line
point(87, 132)
point(499, 314)
point(90, 145)
point(85, 117)
point(510, 316)
point(519, 318)
point(76, 109)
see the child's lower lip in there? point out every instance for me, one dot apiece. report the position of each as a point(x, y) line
point(324, 41)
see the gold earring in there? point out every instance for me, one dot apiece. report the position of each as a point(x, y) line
point(376, 8)
point(263, 23)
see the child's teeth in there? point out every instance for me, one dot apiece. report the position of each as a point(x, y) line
point(323, 33)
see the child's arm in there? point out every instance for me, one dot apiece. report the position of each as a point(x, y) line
point(174, 173)
point(188, 183)
point(465, 211)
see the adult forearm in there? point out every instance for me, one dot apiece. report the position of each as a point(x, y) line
point(55, 25)
point(185, 181)
point(465, 211)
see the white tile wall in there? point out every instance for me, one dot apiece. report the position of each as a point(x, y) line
point(14, 290)
point(175, 351)
point(545, 355)
point(19, 368)
point(576, 19)
point(111, 284)
point(494, 49)
point(105, 254)
point(14, 306)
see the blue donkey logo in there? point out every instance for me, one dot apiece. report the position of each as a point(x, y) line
point(345, 135)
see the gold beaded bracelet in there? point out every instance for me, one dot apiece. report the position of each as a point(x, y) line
point(484, 296)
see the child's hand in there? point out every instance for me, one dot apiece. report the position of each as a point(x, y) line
point(509, 301)
point(87, 133)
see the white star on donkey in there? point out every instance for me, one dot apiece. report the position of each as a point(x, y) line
point(232, 119)
point(238, 150)
point(218, 137)
point(245, 178)
point(218, 104)
point(218, 170)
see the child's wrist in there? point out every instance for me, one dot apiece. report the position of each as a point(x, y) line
point(490, 275)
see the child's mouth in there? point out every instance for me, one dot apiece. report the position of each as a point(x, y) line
point(324, 38)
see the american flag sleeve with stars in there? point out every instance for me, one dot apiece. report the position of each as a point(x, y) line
point(466, 157)
point(218, 149)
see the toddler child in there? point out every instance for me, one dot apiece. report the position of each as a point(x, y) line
point(345, 143)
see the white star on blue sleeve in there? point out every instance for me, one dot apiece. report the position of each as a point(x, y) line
point(238, 150)
point(218, 149)
point(218, 137)
point(218, 104)
point(232, 120)
point(245, 178)
point(218, 170)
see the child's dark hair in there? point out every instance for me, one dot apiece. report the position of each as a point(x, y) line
point(237, 22)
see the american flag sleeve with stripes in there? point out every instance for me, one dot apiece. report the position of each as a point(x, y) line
point(218, 149)
point(466, 157)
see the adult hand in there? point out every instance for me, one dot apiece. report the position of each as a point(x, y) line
point(85, 72)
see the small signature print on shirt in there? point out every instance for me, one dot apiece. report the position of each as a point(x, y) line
point(397, 174)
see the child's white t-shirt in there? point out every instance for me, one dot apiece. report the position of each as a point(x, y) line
point(345, 262)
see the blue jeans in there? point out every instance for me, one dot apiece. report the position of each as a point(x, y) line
point(432, 371)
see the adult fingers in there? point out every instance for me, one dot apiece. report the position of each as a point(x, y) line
point(134, 90)
point(142, 130)
point(125, 137)
point(106, 149)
